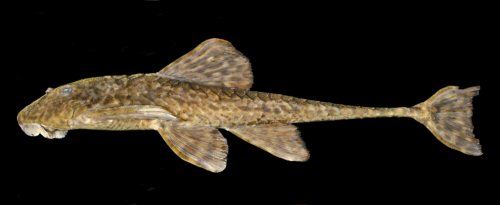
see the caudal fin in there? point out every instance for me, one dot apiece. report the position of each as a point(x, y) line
point(447, 114)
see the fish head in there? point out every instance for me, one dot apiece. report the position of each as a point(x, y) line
point(52, 114)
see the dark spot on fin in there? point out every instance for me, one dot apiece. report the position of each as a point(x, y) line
point(202, 146)
point(215, 62)
point(281, 140)
point(449, 118)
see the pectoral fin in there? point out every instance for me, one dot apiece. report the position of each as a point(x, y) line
point(215, 62)
point(130, 112)
point(202, 146)
point(281, 140)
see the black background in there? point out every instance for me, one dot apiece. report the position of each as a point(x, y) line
point(370, 55)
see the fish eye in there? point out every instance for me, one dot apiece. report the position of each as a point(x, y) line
point(66, 91)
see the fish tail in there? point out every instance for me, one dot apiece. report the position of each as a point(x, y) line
point(447, 114)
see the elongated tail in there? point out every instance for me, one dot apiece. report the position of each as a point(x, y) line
point(447, 114)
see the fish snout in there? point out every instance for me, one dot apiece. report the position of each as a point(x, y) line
point(33, 129)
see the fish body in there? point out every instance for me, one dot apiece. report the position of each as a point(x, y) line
point(209, 89)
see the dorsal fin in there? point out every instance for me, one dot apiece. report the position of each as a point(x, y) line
point(215, 62)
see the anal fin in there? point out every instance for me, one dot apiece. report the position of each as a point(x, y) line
point(202, 146)
point(281, 140)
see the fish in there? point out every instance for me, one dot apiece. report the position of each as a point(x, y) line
point(208, 89)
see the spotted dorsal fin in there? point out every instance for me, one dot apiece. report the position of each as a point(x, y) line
point(215, 62)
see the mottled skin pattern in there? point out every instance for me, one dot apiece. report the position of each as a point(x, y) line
point(196, 104)
point(225, 107)
point(208, 88)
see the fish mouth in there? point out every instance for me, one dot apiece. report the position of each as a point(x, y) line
point(34, 129)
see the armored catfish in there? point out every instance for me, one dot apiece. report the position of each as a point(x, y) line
point(209, 89)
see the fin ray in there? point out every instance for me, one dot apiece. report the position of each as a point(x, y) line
point(281, 140)
point(130, 112)
point(215, 62)
point(201, 146)
point(448, 116)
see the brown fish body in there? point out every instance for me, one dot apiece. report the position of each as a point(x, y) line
point(220, 107)
point(207, 89)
